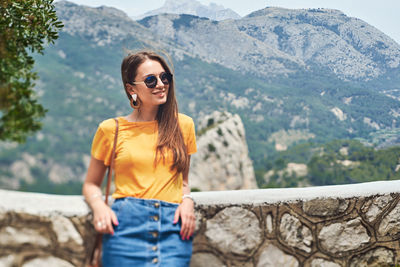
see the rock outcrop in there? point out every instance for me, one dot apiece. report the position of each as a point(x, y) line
point(222, 161)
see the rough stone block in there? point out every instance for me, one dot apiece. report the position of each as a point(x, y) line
point(7, 261)
point(390, 224)
point(323, 263)
point(294, 233)
point(343, 236)
point(325, 206)
point(242, 264)
point(271, 256)
point(47, 261)
point(15, 237)
point(205, 259)
point(373, 207)
point(374, 258)
point(65, 230)
point(234, 230)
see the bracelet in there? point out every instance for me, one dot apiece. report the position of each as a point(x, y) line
point(187, 196)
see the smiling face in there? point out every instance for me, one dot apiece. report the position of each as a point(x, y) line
point(149, 96)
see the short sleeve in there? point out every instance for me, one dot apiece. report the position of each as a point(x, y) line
point(101, 146)
point(191, 139)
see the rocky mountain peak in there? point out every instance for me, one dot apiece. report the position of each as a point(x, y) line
point(282, 41)
point(103, 25)
point(102, 10)
point(280, 11)
point(273, 40)
point(193, 7)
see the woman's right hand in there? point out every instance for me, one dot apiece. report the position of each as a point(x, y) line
point(103, 217)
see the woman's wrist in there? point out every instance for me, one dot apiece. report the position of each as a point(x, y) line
point(94, 198)
point(187, 196)
point(97, 205)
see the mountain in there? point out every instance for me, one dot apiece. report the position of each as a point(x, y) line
point(276, 41)
point(193, 7)
point(289, 77)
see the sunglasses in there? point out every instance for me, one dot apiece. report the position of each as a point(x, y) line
point(151, 81)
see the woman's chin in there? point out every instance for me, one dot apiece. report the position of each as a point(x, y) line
point(162, 100)
point(159, 102)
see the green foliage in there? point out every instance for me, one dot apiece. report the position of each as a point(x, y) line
point(195, 189)
point(336, 162)
point(185, 20)
point(367, 164)
point(211, 148)
point(210, 124)
point(24, 27)
point(280, 164)
point(43, 185)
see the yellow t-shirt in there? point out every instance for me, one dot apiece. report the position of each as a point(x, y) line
point(135, 174)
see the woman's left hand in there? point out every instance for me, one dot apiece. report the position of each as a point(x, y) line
point(186, 212)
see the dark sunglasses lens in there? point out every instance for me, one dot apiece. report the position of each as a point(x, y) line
point(151, 81)
point(166, 78)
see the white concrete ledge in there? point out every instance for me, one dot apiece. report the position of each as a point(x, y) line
point(45, 204)
point(279, 195)
point(42, 204)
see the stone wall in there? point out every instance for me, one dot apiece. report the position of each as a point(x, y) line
point(347, 225)
point(44, 230)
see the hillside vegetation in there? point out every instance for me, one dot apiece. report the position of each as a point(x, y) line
point(337, 162)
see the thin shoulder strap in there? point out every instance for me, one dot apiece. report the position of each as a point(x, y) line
point(112, 164)
point(95, 257)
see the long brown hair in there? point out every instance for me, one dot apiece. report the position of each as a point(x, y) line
point(170, 136)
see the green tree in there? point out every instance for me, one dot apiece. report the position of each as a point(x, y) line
point(26, 27)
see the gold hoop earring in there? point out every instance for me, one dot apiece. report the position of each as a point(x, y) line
point(135, 103)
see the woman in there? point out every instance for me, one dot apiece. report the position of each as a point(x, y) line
point(152, 220)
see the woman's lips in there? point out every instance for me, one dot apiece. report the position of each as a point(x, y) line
point(159, 93)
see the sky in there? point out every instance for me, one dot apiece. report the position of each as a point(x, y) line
point(383, 14)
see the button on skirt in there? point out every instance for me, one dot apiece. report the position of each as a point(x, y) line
point(145, 235)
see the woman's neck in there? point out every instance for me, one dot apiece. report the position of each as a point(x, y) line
point(143, 115)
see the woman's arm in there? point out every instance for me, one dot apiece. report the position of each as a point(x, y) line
point(186, 209)
point(103, 216)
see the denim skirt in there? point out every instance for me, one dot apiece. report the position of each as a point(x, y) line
point(145, 235)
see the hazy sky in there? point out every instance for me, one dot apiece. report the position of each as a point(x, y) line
point(383, 14)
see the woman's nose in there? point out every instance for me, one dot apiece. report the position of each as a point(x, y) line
point(159, 82)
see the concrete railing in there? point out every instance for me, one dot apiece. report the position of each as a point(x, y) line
point(345, 225)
